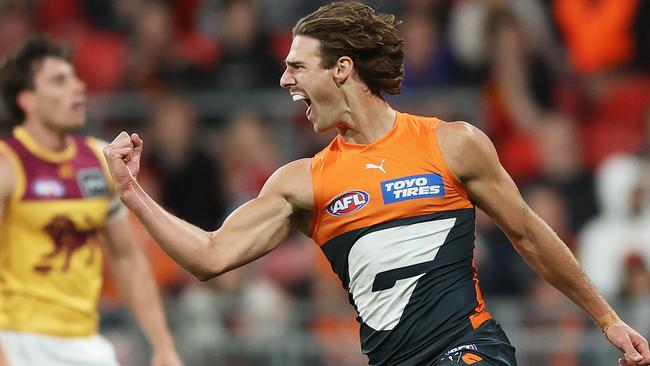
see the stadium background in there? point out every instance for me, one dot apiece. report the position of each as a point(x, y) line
point(562, 88)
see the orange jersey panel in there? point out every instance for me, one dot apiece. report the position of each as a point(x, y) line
point(376, 170)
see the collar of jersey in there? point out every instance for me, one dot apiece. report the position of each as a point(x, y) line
point(43, 153)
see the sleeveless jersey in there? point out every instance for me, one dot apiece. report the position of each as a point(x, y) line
point(50, 260)
point(398, 229)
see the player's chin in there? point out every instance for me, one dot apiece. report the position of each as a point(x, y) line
point(77, 121)
point(71, 126)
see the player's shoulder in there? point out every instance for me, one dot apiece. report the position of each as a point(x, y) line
point(464, 146)
point(460, 131)
point(293, 181)
point(292, 175)
point(7, 171)
point(7, 157)
point(461, 136)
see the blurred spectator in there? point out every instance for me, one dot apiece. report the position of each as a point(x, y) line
point(101, 50)
point(201, 330)
point(642, 37)
point(600, 38)
point(63, 18)
point(468, 20)
point(598, 34)
point(471, 22)
point(161, 55)
point(427, 57)
point(559, 149)
point(556, 321)
point(635, 292)
point(636, 278)
point(250, 157)
point(520, 90)
point(15, 24)
point(621, 228)
point(190, 181)
point(149, 40)
point(265, 312)
point(614, 120)
point(247, 60)
point(522, 77)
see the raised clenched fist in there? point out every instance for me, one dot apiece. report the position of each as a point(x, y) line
point(123, 157)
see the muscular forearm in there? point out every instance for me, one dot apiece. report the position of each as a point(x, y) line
point(140, 293)
point(183, 242)
point(551, 259)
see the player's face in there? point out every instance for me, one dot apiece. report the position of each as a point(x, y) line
point(308, 81)
point(59, 96)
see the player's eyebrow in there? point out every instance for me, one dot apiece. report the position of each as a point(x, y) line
point(294, 63)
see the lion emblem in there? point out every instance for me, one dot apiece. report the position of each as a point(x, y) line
point(67, 239)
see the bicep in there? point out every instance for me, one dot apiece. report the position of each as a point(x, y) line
point(473, 158)
point(252, 230)
point(260, 225)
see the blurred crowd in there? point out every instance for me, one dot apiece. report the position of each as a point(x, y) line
point(563, 91)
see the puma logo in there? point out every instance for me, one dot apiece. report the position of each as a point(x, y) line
point(380, 166)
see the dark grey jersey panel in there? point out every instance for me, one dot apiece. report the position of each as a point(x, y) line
point(411, 281)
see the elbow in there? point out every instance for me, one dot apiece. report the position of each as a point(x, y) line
point(206, 272)
point(204, 276)
point(211, 263)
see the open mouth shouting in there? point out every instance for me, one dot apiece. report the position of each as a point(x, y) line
point(297, 97)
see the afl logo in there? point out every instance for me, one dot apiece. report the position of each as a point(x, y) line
point(347, 203)
point(48, 188)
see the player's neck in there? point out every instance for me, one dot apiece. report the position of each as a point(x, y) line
point(368, 119)
point(45, 136)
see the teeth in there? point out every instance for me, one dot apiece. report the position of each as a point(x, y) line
point(297, 97)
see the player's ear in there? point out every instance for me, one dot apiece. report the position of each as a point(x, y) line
point(25, 100)
point(343, 69)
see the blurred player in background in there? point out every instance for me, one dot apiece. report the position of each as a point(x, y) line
point(57, 205)
point(390, 201)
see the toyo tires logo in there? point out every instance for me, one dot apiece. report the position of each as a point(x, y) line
point(348, 202)
point(413, 187)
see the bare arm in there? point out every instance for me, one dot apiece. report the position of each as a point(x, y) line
point(7, 183)
point(7, 172)
point(3, 359)
point(473, 159)
point(251, 231)
point(138, 288)
point(512, 77)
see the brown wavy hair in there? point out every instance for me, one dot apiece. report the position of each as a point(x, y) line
point(18, 68)
point(369, 38)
